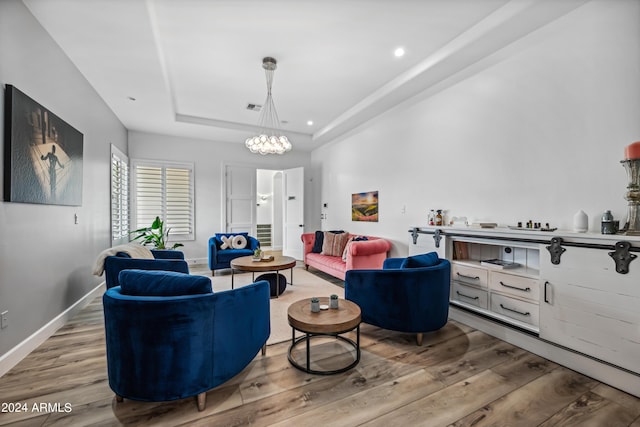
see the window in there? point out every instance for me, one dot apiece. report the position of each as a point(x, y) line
point(119, 196)
point(164, 189)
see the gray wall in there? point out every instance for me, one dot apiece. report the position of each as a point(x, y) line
point(45, 259)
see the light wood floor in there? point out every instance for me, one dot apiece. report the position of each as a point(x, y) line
point(459, 377)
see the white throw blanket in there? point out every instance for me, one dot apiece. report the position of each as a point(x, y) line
point(136, 250)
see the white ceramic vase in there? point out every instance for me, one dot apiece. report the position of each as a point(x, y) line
point(580, 222)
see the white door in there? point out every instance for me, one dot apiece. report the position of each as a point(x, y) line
point(293, 181)
point(240, 204)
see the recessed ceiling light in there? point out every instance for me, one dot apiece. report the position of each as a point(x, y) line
point(309, 122)
point(399, 52)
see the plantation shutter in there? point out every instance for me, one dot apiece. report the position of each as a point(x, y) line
point(120, 226)
point(165, 190)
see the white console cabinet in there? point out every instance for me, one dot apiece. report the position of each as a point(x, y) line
point(565, 299)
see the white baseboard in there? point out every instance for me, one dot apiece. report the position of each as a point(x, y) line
point(22, 350)
point(601, 371)
point(194, 261)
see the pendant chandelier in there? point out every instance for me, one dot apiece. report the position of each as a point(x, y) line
point(270, 140)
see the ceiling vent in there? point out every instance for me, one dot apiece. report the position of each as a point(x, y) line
point(254, 107)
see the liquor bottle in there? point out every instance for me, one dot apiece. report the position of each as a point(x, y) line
point(439, 217)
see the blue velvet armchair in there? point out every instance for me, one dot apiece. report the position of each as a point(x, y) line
point(167, 260)
point(405, 295)
point(169, 337)
point(221, 258)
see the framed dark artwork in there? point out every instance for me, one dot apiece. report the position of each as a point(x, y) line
point(364, 206)
point(42, 154)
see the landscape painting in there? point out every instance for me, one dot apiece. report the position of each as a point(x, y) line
point(364, 206)
point(43, 154)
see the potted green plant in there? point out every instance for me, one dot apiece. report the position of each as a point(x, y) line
point(155, 235)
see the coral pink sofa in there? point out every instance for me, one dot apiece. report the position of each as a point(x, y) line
point(365, 254)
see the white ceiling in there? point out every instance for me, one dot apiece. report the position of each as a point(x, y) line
point(194, 65)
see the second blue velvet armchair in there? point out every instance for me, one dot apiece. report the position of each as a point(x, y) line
point(221, 258)
point(404, 296)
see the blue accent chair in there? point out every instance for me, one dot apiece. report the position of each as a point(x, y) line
point(221, 258)
point(404, 296)
point(169, 336)
point(167, 260)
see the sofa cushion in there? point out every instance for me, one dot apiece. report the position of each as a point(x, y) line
point(334, 243)
point(423, 260)
point(162, 283)
point(230, 254)
point(327, 261)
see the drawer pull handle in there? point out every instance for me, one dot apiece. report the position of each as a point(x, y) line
point(515, 311)
point(527, 289)
point(468, 277)
point(466, 296)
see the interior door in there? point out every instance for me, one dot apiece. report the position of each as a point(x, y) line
point(293, 182)
point(240, 207)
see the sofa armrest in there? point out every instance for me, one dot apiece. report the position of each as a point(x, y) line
point(308, 240)
point(242, 312)
point(368, 247)
point(167, 254)
point(252, 243)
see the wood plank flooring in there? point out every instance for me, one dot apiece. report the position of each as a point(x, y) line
point(459, 377)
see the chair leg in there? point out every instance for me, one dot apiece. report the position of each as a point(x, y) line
point(264, 349)
point(419, 338)
point(202, 401)
point(119, 398)
point(213, 273)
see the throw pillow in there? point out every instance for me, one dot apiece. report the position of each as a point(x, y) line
point(227, 242)
point(162, 283)
point(334, 243)
point(423, 260)
point(220, 238)
point(239, 242)
point(317, 244)
point(346, 248)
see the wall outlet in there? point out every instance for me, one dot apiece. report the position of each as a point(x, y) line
point(4, 319)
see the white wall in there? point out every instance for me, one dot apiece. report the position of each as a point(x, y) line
point(209, 158)
point(45, 259)
point(536, 132)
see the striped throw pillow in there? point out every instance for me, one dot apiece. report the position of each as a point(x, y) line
point(334, 244)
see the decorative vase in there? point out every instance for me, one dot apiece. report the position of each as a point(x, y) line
point(333, 301)
point(632, 166)
point(580, 222)
point(315, 305)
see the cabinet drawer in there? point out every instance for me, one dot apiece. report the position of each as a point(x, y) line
point(523, 311)
point(469, 295)
point(469, 274)
point(523, 287)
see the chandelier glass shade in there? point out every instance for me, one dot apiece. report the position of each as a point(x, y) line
point(270, 140)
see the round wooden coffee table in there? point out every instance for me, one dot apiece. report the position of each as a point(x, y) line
point(246, 263)
point(330, 322)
